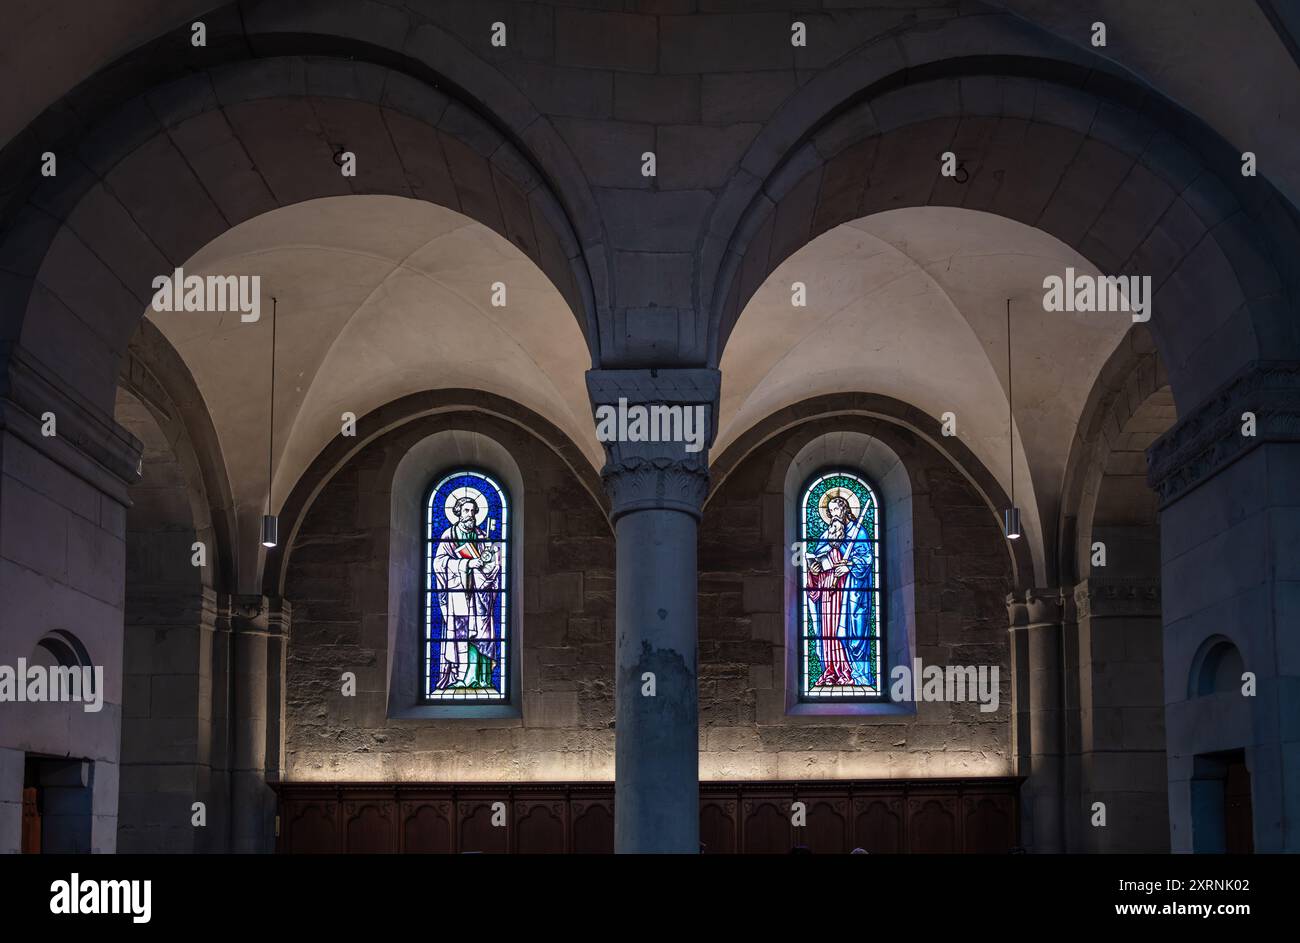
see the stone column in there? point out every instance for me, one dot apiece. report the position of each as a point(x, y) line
point(656, 491)
point(1038, 711)
point(1121, 749)
point(173, 751)
point(1227, 478)
point(260, 627)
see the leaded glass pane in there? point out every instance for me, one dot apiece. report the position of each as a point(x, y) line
point(839, 589)
point(467, 591)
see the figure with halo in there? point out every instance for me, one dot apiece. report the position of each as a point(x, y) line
point(840, 569)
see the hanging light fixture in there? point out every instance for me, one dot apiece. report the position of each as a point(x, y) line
point(1011, 516)
point(270, 525)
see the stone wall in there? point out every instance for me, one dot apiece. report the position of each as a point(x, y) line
point(62, 553)
point(337, 580)
point(1231, 568)
point(962, 575)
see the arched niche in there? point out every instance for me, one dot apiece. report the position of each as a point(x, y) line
point(423, 464)
point(60, 648)
point(1217, 668)
point(881, 466)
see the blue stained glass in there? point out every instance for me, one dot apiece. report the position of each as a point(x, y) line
point(839, 589)
point(467, 591)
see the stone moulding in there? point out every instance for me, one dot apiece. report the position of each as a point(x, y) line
point(1210, 439)
point(1117, 596)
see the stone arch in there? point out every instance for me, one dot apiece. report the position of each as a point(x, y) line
point(1126, 514)
point(175, 167)
point(855, 407)
point(1045, 143)
point(1216, 668)
point(167, 515)
point(393, 416)
point(61, 648)
point(1115, 655)
point(154, 374)
point(171, 649)
point(1121, 416)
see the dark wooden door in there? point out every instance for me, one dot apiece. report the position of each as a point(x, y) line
point(1238, 819)
point(31, 822)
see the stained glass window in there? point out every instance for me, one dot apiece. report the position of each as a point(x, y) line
point(466, 597)
point(840, 640)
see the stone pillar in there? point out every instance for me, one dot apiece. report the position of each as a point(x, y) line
point(1230, 573)
point(1121, 717)
point(260, 627)
point(173, 741)
point(1038, 711)
point(65, 469)
point(656, 492)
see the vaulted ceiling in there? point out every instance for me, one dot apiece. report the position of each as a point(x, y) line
point(1219, 59)
point(376, 297)
point(379, 297)
point(912, 304)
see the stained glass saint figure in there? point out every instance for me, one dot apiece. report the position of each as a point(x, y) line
point(840, 605)
point(466, 590)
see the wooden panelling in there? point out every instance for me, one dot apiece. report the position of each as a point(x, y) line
point(878, 824)
point(426, 827)
point(917, 816)
point(541, 826)
point(718, 829)
point(593, 826)
point(311, 826)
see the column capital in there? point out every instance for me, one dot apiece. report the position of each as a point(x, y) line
point(1118, 596)
point(656, 426)
point(1207, 440)
point(259, 615)
point(1038, 606)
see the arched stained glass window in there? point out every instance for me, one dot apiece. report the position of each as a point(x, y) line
point(840, 624)
point(467, 644)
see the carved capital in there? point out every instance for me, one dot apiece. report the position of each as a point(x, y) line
point(1205, 442)
point(1117, 596)
point(635, 483)
point(651, 463)
point(259, 615)
point(1037, 607)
